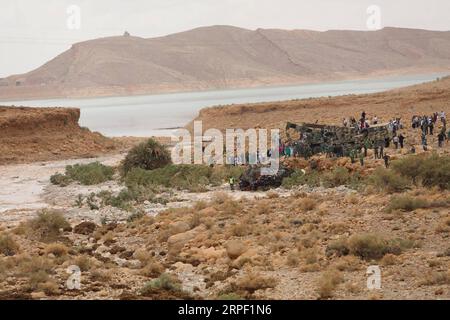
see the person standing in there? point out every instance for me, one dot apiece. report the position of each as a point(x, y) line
point(352, 155)
point(401, 140)
point(441, 138)
point(386, 159)
point(395, 140)
point(361, 158)
point(232, 182)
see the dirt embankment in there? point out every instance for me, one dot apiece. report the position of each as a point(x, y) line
point(422, 99)
point(38, 134)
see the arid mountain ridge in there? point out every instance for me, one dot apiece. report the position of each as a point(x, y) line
point(222, 57)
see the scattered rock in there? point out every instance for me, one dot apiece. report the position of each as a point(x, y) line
point(85, 228)
point(235, 248)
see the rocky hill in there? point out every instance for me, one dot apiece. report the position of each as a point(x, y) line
point(221, 57)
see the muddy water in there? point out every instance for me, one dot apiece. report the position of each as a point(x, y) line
point(22, 186)
point(157, 114)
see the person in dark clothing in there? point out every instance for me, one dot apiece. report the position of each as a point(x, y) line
point(431, 127)
point(387, 142)
point(441, 138)
point(381, 154)
point(401, 140)
point(386, 159)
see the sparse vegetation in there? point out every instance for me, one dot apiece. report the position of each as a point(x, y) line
point(407, 203)
point(8, 245)
point(328, 282)
point(430, 171)
point(194, 178)
point(147, 155)
point(368, 246)
point(252, 282)
point(163, 282)
point(388, 181)
point(46, 227)
point(86, 174)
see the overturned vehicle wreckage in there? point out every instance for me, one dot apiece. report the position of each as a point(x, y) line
point(252, 179)
point(336, 141)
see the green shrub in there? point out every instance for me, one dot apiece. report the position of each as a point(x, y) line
point(8, 246)
point(86, 174)
point(311, 179)
point(430, 171)
point(338, 177)
point(60, 180)
point(406, 203)
point(163, 282)
point(148, 155)
point(183, 177)
point(388, 181)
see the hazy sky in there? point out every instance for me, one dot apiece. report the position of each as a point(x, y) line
point(32, 32)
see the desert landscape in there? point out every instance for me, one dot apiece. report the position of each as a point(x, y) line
point(179, 232)
point(232, 157)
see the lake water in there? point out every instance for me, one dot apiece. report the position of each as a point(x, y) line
point(159, 114)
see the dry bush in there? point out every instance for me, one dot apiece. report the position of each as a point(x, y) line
point(240, 230)
point(444, 226)
point(58, 249)
point(8, 245)
point(36, 278)
point(306, 204)
point(309, 255)
point(368, 246)
point(309, 240)
point(195, 220)
point(347, 263)
point(220, 197)
point(352, 199)
point(338, 228)
point(200, 205)
point(437, 278)
point(388, 181)
point(100, 275)
point(252, 282)
point(84, 262)
point(152, 269)
point(49, 287)
point(262, 208)
point(328, 282)
point(272, 195)
point(407, 203)
point(46, 227)
point(389, 260)
point(229, 207)
point(143, 256)
point(293, 258)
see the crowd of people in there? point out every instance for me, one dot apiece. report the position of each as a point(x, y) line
point(429, 125)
